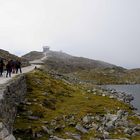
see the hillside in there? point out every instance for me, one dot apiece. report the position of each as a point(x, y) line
point(33, 55)
point(55, 109)
point(8, 56)
point(65, 63)
point(88, 70)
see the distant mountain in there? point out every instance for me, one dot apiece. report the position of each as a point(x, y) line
point(8, 56)
point(66, 63)
point(85, 69)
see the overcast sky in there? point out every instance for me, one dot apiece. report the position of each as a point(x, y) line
point(107, 30)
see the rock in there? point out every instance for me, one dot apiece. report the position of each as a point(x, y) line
point(136, 134)
point(45, 122)
point(95, 126)
point(97, 118)
point(109, 126)
point(53, 123)
point(118, 139)
point(4, 133)
point(57, 138)
point(111, 97)
point(10, 137)
point(94, 139)
point(72, 123)
point(136, 129)
point(106, 134)
point(33, 118)
point(81, 128)
point(28, 103)
point(103, 95)
point(1, 126)
point(58, 127)
point(120, 113)
point(75, 136)
point(88, 91)
point(48, 131)
point(128, 131)
point(111, 117)
point(87, 119)
point(38, 135)
point(35, 100)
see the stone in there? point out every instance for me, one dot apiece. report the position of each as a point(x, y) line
point(38, 135)
point(13, 94)
point(4, 133)
point(53, 123)
point(72, 123)
point(94, 139)
point(1, 126)
point(81, 128)
point(87, 119)
point(10, 137)
point(48, 131)
point(120, 113)
point(75, 136)
point(136, 129)
point(95, 126)
point(111, 117)
point(128, 131)
point(109, 126)
point(136, 134)
point(57, 138)
point(111, 97)
point(103, 95)
point(97, 118)
point(106, 134)
point(33, 118)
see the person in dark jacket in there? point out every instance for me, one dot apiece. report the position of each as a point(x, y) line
point(18, 66)
point(13, 66)
point(1, 67)
point(9, 68)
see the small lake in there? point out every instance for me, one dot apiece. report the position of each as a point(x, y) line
point(130, 89)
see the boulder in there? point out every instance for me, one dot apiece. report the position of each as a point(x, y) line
point(81, 128)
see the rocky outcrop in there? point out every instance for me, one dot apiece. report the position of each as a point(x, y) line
point(11, 94)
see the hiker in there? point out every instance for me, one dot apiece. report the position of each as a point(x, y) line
point(1, 66)
point(13, 66)
point(9, 68)
point(18, 66)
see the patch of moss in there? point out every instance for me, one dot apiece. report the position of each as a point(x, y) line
point(134, 119)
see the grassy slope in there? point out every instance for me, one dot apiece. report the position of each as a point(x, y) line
point(110, 76)
point(63, 99)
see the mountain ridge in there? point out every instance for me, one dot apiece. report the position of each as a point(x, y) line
point(61, 55)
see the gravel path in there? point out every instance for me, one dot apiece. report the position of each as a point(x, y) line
point(5, 79)
point(35, 63)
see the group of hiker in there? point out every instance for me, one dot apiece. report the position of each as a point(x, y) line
point(12, 66)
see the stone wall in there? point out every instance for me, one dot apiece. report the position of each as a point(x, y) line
point(11, 94)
